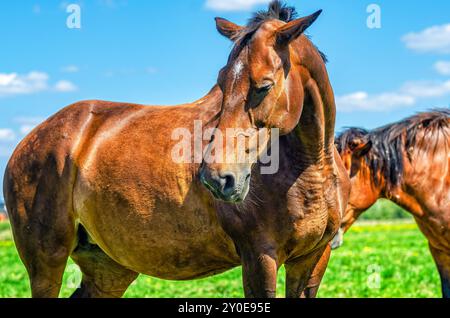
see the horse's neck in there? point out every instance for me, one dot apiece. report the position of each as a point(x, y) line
point(317, 123)
point(211, 106)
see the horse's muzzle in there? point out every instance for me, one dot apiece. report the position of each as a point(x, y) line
point(227, 186)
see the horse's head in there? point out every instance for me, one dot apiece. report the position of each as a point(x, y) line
point(262, 91)
point(354, 146)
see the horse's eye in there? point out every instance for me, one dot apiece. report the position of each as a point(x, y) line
point(258, 94)
point(264, 90)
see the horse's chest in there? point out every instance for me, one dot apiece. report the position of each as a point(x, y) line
point(313, 218)
point(308, 230)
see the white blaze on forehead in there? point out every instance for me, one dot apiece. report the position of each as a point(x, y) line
point(237, 69)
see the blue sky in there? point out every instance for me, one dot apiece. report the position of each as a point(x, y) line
point(168, 52)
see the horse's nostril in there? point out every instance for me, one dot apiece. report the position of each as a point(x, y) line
point(229, 182)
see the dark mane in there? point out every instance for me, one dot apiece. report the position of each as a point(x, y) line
point(391, 142)
point(277, 10)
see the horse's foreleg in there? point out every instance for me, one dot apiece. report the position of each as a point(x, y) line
point(312, 288)
point(442, 259)
point(304, 275)
point(259, 273)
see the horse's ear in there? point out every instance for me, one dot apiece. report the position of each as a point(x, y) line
point(360, 146)
point(228, 29)
point(292, 30)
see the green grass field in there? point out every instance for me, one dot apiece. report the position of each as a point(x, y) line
point(389, 259)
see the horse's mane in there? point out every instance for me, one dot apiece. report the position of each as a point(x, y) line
point(277, 10)
point(391, 142)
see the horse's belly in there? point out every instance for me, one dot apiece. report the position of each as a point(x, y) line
point(161, 240)
point(173, 258)
point(168, 253)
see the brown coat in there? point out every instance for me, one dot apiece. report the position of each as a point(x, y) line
point(97, 182)
point(408, 163)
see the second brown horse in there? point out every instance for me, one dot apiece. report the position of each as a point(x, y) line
point(408, 163)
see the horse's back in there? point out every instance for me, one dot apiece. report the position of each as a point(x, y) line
point(45, 160)
point(53, 143)
point(61, 143)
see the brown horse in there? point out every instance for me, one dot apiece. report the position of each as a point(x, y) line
point(98, 182)
point(408, 163)
point(276, 78)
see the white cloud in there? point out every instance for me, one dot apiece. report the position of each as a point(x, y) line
point(65, 87)
point(435, 39)
point(7, 134)
point(442, 67)
point(427, 89)
point(16, 84)
point(378, 102)
point(70, 69)
point(233, 5)
point(407, 95)
point(12, 84)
